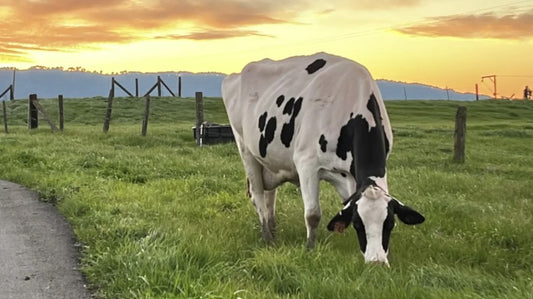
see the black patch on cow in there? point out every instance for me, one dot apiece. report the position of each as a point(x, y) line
point(289, 106)
point(388, 225)
point(280, 100)
point(360, 229)
point(373, 106)
point(323, 143)
point(349, 215)
point(315, 66)
point(267, 130)
point(407, 214)
point(262, 121)
point(270, 129)
point(345, 216)
point(369, 146)
point(292, 108)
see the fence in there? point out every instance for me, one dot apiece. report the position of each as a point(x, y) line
point(34, 107)
point(10, 90)
point(158, 85)
point(36, 112)
point(203, 132)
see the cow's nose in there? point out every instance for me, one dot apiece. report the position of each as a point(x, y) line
point(379, 263)
point(378, 257)
point(377, 260)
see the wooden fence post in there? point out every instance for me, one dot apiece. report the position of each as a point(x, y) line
point(460, 135)
point(166, 86)
point(152, 89)
point(39, 108)
point(179, 86)
point(145, 118)
point(10, 90)
point(158, 86)
point(199, 117)
point(61, 114)
point(136, 87)
point(33, 116)
point(113, 85)
point(115, 82)
point(5, 116)
point(12, 93)
point(107, 118)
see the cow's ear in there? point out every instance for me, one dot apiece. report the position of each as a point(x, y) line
point(406, 214)
point(342, 220)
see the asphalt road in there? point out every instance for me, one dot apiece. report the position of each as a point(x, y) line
point(38, 258)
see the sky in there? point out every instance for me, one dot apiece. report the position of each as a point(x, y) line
point(450, 43)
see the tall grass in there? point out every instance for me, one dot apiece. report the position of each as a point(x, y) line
point(159, 217)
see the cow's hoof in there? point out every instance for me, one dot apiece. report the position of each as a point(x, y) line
point(310, 245)
point(268, 237)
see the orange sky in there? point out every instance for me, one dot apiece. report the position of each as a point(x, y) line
point(443, 43)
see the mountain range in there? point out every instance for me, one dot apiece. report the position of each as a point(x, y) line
point(78, 83)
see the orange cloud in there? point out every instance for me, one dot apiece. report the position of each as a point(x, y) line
point(476, 26)
point(64, 24)
point(383, 4)
point(214, 34)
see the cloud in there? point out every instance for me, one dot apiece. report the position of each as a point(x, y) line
point(385, 4)
point(513, 26)
point(12, 54)
point(373, 4)
point(65, 24)
point(214, 34)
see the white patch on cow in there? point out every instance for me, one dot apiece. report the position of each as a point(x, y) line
point(372, 208)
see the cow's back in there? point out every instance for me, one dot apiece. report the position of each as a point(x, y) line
point(297, 106)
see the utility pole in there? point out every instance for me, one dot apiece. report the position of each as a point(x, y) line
point(493, 79)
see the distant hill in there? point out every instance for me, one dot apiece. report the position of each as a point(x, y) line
point(393, 90)
point(48, 83)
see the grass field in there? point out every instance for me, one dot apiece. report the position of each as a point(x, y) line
point(159, 217)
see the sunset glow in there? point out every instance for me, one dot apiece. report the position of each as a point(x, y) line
point(443, 43)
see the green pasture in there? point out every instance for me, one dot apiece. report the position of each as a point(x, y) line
point(159, 217)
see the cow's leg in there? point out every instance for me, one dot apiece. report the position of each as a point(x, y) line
point(263, 204)
point(270, 200)
point(309, 185)
point(262, 199)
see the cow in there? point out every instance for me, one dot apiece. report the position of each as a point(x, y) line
point(309, 118)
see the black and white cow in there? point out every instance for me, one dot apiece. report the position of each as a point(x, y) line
point(310, 118)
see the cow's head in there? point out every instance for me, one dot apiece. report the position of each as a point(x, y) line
point(371, 210)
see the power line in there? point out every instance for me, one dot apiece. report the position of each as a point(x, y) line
point(515, 76)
